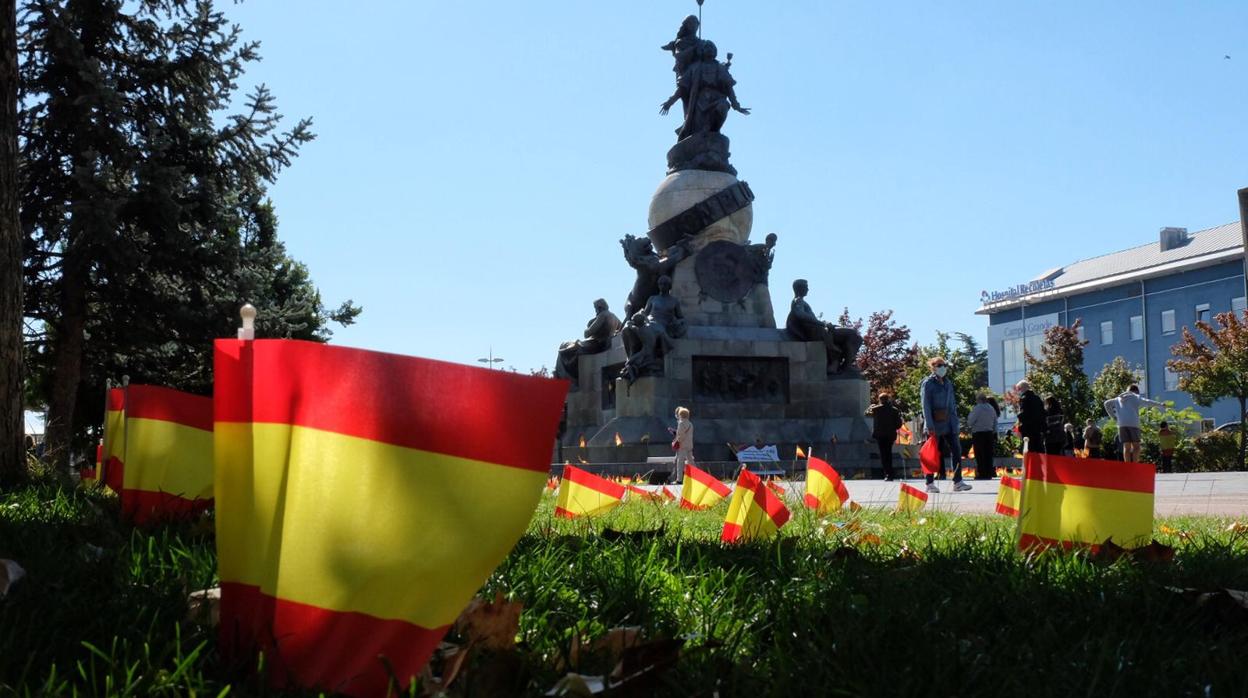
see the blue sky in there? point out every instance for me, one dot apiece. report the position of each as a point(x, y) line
point(476, 163)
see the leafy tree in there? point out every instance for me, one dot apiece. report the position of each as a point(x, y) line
point(138, 196)
point(1217, 368)
point(12, 426)
point(1058, 371)
point(887, 353)
point(1114, 378)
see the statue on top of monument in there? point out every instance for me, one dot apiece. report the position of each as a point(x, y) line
point(842, 343)
point(706, 88)
point(684, 46)
point(640, 255)
point(650, 332)
point(598, 333)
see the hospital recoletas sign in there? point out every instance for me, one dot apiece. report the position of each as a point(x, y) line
point(1014, 292)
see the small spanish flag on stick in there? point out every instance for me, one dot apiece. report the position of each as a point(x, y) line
point(825, 491)
point(362, 499)
point(644, 494)
point(583, 493)
point(701, 491)
point(1008, 496)
point(911, 498)
point(1082, 503)
point(168, 454)
point(114, 440)
point(754, 511)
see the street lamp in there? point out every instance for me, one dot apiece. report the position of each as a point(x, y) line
point(492, 359)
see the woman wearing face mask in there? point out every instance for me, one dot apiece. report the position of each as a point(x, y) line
point(940, 419)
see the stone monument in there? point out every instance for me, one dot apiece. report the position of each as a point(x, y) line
point(700, 329)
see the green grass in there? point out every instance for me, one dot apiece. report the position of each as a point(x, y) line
point(943, 605)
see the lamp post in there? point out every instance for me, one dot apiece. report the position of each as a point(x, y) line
point(491, 359)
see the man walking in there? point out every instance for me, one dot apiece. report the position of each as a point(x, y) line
point(1125, 409)
point(1092, 439)
point(940, 419)
point(1032, 420)
point(982, 423)
point(885, 421)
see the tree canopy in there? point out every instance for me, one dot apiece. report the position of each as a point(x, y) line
point(1216, 367)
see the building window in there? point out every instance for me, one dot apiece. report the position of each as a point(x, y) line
point(1172, 380)
point(1167, 322)
point(1202, 312)
point(1238, 305)
point(1107, 332)
point(1014, 357)
point(1137, 328)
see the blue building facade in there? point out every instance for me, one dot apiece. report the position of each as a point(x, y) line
point(1134, 304)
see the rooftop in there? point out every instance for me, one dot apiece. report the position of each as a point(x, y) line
point(1172, 253)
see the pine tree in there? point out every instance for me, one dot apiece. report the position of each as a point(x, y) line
point(137, 193)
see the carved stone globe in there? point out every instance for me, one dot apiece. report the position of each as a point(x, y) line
point(686, 188)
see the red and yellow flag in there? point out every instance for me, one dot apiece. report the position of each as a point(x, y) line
point(168, 454)
point(825, 491)
point(910, 498)
point(644, 494)
point(584, 494)
point(362, 499)
point(1009, 494)
point(1082, 502)
point(114, 440)
point(754, 511)
point(701, 491)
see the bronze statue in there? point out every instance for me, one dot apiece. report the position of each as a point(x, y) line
point(598, 334)
point(640, 255)
point(706, 89)
point(842, 343)
point(649, 334)
point(684, 47)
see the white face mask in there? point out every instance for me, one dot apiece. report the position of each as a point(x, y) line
point(941, 371)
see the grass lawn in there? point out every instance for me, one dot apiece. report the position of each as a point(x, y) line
point(934, 604)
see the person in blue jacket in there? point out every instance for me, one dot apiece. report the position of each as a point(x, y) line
point(940, 419)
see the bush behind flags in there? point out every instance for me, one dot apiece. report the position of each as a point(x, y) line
point(362, 499)
point(754, 510)
point(581, 493)
point(701, 490)
point(168, 454)
point(825, 491)
point(1082, 502)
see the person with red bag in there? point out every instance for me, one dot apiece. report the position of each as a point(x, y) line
point(940, 423)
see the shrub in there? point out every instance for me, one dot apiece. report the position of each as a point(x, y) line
point(1214, 451)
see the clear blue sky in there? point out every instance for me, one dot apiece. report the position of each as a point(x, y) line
point(476, 163)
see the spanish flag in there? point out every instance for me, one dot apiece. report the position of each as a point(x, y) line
point(584, 494)
point(1083, 502)
point(701, 491)
point(362, 499)
point(644, 494)
point(114, 440)
point(910, 498)
point(168, 454)
point(754, 511)
point(1008, 496)
point(825, 491)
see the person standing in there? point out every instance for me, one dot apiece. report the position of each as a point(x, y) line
point(1074, 442)
point(885, 421)
point(1168, 440)
point(1031, 417)
point(1054, 427)
point(1092, 439)
point(940, 419)
point(682, 443)
point(1125, 409)
point(982, 423)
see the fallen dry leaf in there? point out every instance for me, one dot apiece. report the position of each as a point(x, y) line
point(203, 607)
point(10, 572)
point(1153, 552)
point(492, 625)
point(868, 539)
point(855, 506)
point(1237, 527)
point(641, 665)
point(613, 643)
point(1166, 529)
point(1109, 551)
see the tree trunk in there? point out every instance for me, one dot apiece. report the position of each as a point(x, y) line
point(1243, 430)
point(12, 422)
point(67, 348)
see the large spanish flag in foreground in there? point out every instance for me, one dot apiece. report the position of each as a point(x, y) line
point(1009, 494)
point(1076, 502)
point(362, 499)
point(701, 491)
point(168, 454)
point(584, 494)
point(825, 491)
point(754, 510)
point(910, 498)
point(114, 440)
